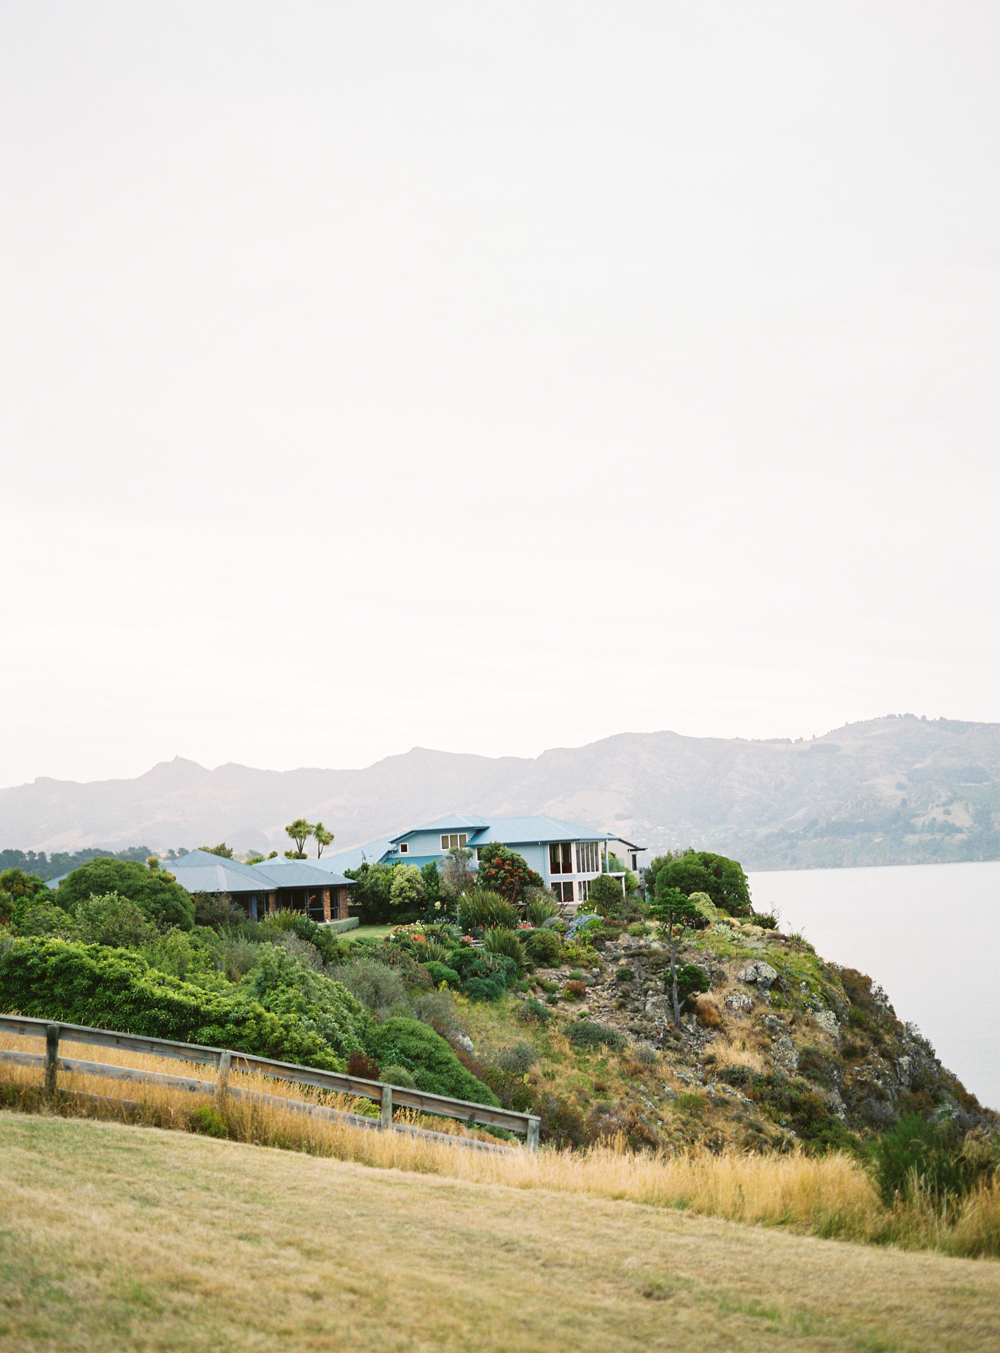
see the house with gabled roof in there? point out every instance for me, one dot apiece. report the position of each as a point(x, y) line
point(568, 857)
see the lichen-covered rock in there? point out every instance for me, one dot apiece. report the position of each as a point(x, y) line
point(738, 1003)
point(760, 973)
point(827, 1021)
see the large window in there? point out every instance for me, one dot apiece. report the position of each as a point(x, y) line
point(453, 841)
point(564, 891)
point(588, 857)
point(561, 857)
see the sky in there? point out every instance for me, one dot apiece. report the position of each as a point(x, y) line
point(492, 377)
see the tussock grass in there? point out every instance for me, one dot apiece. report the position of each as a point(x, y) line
point(831, 1196)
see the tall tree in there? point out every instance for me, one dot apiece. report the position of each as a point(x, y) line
point(300, 830)
point(323, 838)
point(676, 912)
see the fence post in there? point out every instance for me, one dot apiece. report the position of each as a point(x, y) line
point(222, 1081)
point(51, 1057)
point(532, 1141)
point(386, 1106)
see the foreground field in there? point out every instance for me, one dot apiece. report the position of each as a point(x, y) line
point(117, 1237)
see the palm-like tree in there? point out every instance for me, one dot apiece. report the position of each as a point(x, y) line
point(323, 838)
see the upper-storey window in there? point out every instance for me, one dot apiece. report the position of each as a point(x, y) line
point(453, 841)
point(588, 857)
point(404, 847)
point(561, 857)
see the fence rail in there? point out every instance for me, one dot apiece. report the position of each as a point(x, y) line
point(224, 1060)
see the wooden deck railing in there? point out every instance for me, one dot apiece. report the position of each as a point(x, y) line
point(224, 1060)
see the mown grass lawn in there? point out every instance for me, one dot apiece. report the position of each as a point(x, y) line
point(115, 1237)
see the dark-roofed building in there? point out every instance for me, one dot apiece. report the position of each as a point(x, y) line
point(272, 885)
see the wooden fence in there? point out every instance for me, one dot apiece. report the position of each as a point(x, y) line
point(224, 1060)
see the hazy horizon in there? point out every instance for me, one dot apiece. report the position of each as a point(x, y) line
point(492, 379)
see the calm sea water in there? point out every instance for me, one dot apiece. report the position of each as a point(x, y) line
point(930, 933)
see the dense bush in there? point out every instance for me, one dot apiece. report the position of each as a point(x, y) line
point(112, 989)
point(39, 915)
point(376, 985)
point(540, 906)
point(17, 886)
point(112, 920)
point(532, 1011)
point(543, 947)
point(330, 947)
point(217, 911)
point(586, 1033)
point(441, 972)
point(517, 1057)
point(691, 980)
point(157, 894)
point(700, 871)
point(371, 893)
point(503, 871)
point(410, 1044)
point(933, 1154)
point(500, 940)
point(606, 897)
point(481, 910)
point(398, 1075)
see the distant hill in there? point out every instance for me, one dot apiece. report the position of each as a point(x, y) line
point(896, 790)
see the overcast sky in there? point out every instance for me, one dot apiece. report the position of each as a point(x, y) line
point(492, 377)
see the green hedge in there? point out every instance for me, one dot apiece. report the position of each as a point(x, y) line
point(113, 989)
point(408, 1043)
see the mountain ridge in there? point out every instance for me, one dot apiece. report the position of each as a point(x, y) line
point(897, 789)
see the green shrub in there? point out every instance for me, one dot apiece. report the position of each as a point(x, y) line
point(435, 1068)
point(155, 892)
point(532, 1011)
point(483, 910)
point(112, 920)
point(330, 948)
point(114, 989)
point(398, 1075)
point(483, 988)
point(539, 907)
point(691, 980)
point(440, 972)
point(504, 872)
point(217, 912)
point(208, 1121)
point(606, 897)
point(192, 955)
point(543, 947)
point(700, 871)
point(376, 985)
point(917, 1149)
point(39, 915)
point(498, 940)
point(586, 1033)
point(517, 1057)
point(624, 974)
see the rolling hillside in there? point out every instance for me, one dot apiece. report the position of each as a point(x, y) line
point(894, 790)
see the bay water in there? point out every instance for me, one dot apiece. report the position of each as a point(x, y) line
point(929, 933)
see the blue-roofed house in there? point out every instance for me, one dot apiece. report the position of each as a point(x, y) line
point(567, 856)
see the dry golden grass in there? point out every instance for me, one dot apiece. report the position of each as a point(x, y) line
point(123, 1238)
point(829, 1196)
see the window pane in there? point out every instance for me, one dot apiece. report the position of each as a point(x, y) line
point(555, 861)
point(462, 838)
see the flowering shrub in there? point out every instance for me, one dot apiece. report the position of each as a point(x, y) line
point(505, 872)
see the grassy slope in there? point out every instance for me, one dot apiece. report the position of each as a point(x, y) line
point(131, 1238)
